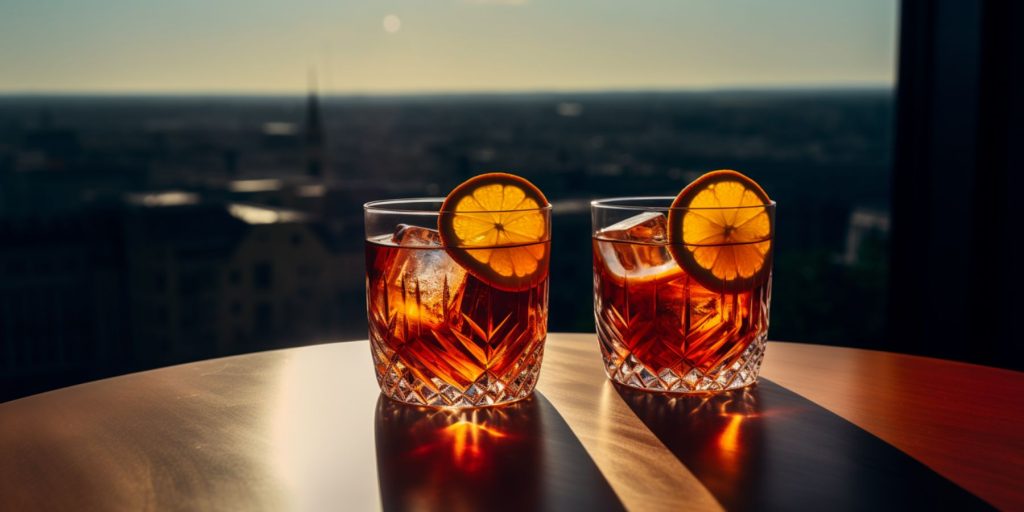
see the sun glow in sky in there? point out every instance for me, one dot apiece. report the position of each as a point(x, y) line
point(384, 46)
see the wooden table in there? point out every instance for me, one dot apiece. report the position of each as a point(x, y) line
point(305, 429)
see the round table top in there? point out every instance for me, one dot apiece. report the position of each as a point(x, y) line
point(306, 429)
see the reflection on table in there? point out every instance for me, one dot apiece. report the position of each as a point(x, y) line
point(765, 447)
point(520, 456)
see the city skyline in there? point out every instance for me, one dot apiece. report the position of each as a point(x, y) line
point(408, 47)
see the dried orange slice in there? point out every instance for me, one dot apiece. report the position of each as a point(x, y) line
point(720, 231)
point(496, 226)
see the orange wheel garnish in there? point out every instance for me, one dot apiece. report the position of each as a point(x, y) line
point(720, 231)
point(496, 226)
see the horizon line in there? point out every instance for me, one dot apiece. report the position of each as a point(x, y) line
point(813, 87)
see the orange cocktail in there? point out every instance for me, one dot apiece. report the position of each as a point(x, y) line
point(682, 286)
point(458, 310)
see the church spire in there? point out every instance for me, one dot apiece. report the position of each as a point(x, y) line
point(314, 137)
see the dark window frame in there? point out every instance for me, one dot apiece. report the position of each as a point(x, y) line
point(953, 289)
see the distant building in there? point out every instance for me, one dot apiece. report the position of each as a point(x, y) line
point(62, 301)
point(314, 137)
point(864, 222)
point(210, 279)
point(167, 277)
point(57, 146)
point(284, 286)
point(175, 254)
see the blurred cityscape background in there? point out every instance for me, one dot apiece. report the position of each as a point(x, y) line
point(147, 225)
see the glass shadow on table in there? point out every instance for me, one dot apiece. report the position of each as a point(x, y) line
point(767, 448)
point(520, 456)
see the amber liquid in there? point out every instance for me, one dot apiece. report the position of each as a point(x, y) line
point(444, 337)
point(657, 324)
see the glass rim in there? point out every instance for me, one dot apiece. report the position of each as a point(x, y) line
point(609, 203)
point(393, 206)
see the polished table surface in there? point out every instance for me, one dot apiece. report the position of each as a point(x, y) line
point(305, 429)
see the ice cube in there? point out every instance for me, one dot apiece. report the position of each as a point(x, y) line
point(415, 236)
point(646, 227)
point(645, 254)
point(424, 283)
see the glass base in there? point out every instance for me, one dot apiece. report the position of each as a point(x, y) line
point(398, 383)
point(684, 378)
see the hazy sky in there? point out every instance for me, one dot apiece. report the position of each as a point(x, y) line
point(375, 46)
